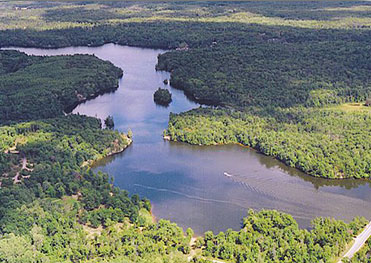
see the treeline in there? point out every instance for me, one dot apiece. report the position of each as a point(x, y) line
point(34, 87)
point(324, 142)
point(271, 236)
point(162, 33)
point(51, 140)
point(52, 230)
point(279, 73)
point(199, 25)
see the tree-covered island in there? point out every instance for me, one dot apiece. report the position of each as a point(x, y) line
point(162, 97)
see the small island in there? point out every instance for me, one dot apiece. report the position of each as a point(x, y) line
point(162, 97)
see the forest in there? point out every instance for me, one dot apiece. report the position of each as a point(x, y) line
point(56, 152)
point(257, 57)
point(286, 78)
point(44, 87)
point(257, 240)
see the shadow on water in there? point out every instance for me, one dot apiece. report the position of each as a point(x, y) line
point(187, 184)
point(266, 161)
point(271, 162)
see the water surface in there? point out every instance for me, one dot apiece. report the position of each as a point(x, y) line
point(186, 184)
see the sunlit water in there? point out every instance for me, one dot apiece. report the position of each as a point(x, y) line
point(186, 184)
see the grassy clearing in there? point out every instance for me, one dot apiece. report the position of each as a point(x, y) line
point(351, 107)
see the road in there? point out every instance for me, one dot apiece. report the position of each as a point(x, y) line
point(359, 241)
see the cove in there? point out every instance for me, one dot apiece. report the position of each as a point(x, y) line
point(186, 184)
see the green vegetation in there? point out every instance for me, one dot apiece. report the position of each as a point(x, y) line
point(55, 152)
point(39, 222)
point(270, 236)
point(63, 230)
point(162, 97)
point(254, 57)
point(287, 78)
point(51, 230)
point(326, 142)
point(53, 208)
point(271, 74)
point(168, 25)
point(43, 87)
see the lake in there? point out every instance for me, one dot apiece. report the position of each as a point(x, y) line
point(186, 184)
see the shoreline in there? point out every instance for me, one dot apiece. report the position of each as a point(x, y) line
point(79, 98)
point(154, 219)
point(168, 138)
point(90, 163)
point(69, 109)
point(158, 47)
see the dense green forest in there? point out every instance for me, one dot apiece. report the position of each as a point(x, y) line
point(43, 87)
point(268, 74)
point(254, 57)
point(287, 78)
point(52, 230)
point(55, 153)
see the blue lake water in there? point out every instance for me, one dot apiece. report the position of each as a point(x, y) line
point(185, 183)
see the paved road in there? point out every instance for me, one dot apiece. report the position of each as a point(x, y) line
point(359, 241)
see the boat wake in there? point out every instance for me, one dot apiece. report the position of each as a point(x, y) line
point(193, 197)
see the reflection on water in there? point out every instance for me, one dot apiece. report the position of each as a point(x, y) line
point(187, 183)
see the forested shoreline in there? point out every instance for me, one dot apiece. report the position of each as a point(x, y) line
point(238, 56)
point(282, 79)
point(35, 87)
point(323, 142)
point(53, 207)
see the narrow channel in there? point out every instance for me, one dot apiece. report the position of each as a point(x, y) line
point(187, 184)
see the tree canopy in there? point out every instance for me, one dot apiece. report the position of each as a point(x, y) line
point(162, 97)
point(34, 87)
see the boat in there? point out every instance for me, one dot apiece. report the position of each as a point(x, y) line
point(227, 174)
